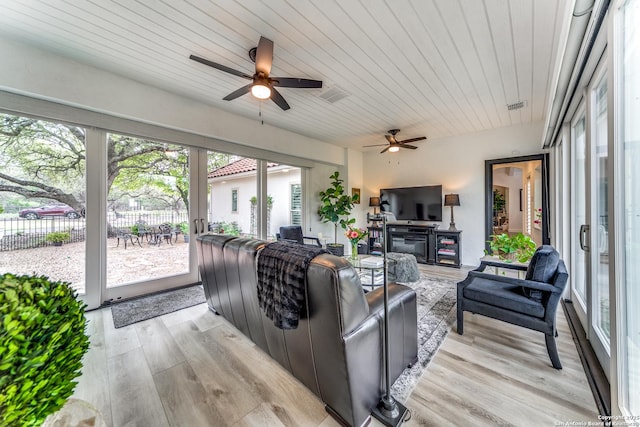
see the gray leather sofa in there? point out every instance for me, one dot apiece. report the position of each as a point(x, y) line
point(336, 351)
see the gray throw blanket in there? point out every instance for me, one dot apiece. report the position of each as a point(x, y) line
point(282, 267)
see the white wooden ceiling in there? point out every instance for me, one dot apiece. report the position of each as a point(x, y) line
point(434, 68)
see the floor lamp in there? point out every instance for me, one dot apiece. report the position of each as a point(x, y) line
point(388, 411)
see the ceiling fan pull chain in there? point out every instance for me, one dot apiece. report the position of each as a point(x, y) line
point(260, 112)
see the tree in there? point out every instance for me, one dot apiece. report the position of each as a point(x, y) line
point(44, 160)
point(36, 155)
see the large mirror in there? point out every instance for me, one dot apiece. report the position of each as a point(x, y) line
point(516, 198)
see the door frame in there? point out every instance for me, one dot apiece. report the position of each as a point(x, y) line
point(488, 193)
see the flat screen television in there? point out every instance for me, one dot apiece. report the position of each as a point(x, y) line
point(413, 203)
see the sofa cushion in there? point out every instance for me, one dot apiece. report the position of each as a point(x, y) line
point(503, 295)
point(542, 268)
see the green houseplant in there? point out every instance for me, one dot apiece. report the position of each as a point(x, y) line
point(42, 342)
point(518, 247)
point(184, 229)
point(57, 237)
point(335, 207)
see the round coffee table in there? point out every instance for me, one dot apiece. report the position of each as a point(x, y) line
point(371, 274)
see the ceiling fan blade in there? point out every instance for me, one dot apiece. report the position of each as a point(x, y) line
point(220, 67)
point(295, 82)
point(385, 150)
point(391, 139)
point(420, 138)
point(278, 99)
point(375, 145)
point(264, 56)
point(407, 146)
point(238, 93)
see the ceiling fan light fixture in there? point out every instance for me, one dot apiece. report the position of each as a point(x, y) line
point(260, 91)
point(394, 148)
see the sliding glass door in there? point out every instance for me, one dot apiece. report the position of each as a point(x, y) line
point(590, 216)
point(600, 329)
point(628, 206)
point(579, 226)
point(151, 213)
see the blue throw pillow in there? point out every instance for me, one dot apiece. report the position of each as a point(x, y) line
point(542, 268)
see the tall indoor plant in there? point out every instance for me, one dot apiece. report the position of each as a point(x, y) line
point(335, 207)
point(42, 341)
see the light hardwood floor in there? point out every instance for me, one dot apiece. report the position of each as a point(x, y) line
point(191, 368)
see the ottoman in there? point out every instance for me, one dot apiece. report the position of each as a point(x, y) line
point(406, 267)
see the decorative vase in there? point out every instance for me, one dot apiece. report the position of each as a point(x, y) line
point(354, 250)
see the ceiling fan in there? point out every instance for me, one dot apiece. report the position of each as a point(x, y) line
point(395, 145)
point(263, 86)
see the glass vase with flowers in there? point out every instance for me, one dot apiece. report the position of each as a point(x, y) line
point(354, 235)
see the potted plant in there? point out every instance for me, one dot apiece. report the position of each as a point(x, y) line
point(184, 229)
point(42, 342)
point(335, 207)
point(512, 248)
point(57, 237)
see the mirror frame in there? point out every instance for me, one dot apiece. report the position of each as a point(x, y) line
point(488, 193)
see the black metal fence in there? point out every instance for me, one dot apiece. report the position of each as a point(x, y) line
point(19, 233)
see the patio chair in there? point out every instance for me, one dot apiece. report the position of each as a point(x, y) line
point(126, 235)
point(530, 302)
point(293, 233)
point(144, 231)
point(164, 234)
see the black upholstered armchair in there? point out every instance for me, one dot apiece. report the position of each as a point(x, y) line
point(293, 233)
point(530, 302)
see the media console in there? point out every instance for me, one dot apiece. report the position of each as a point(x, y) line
point(426, 242)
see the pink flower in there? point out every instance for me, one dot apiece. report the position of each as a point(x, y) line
point(353, 234)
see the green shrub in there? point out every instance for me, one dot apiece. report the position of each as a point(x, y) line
point(42, 342)
point(517, 247)
point(230, 228)
point(58, 236)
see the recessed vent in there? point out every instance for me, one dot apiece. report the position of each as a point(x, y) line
point(516, 105)
point(333, 94)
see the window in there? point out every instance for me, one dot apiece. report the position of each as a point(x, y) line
point(234, 200)
point(296, 204)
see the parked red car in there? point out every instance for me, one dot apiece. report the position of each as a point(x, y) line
point(49, 210)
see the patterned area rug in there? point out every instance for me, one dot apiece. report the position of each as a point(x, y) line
point(436, 316)
point(143, 308)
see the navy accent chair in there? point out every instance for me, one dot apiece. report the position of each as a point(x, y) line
point(530, 302)
point(293, 234)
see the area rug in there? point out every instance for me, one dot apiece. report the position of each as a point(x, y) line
point(436, 299)
point(143, 308)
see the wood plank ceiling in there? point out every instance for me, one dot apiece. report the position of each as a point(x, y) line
point(434, 68)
